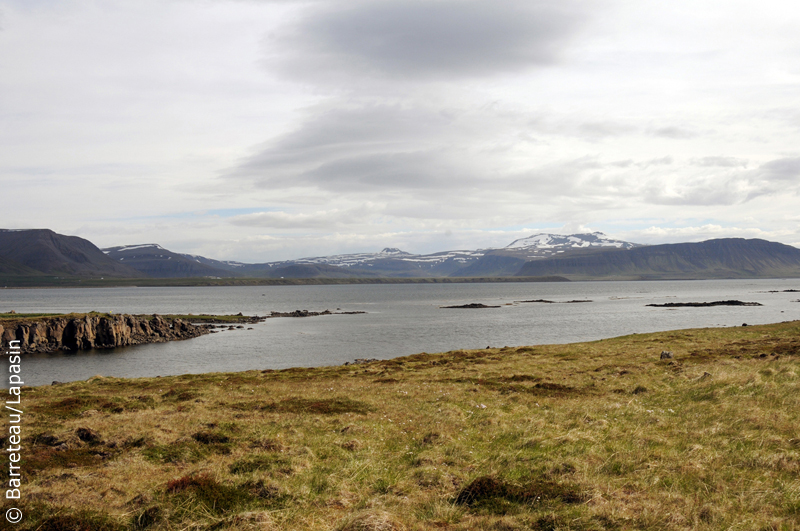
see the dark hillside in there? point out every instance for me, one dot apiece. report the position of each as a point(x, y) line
point(10, 267)
point(315, 271)
point(491, 264)
point(45, 251)
point(152, 260)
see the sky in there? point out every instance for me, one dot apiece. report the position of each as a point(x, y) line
point(269, 130)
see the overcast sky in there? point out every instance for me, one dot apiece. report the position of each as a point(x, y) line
point(267, 130)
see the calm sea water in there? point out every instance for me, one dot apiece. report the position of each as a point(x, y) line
point(401, 319)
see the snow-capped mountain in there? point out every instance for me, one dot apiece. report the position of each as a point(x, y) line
point(543, 245)
point(573, 241)
point(156, 261)
point(478, 262)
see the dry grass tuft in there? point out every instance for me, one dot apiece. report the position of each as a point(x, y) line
point(371, 521)
point(324, 406)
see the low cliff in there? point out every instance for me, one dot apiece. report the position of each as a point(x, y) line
point(83, 332)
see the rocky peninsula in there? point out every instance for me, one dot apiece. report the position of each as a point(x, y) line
point(83, 331)
point(94, 330)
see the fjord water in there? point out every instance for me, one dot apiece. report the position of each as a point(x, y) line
point(401, 319)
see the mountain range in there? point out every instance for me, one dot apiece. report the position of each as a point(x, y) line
point(154, 260)
point(42, 253)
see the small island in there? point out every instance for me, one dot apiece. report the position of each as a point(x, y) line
point(471, 306)
point(704, 304)
point(545, 301)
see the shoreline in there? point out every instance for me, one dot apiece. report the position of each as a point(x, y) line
point(231, 282)
point(67, 283)
point(363, 361)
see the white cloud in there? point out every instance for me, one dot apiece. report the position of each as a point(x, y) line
point(656, 235)
point(326, 220)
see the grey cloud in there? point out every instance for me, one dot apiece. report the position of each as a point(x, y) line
point(695, 194)
point(733, 184)
point(326, 219)
point(786, 115)
point(578, 179)
point(662, 161)
point(399, 153)
point(674, 132)
point(417, 170)
point(781, 169)
point(604, 129)
point(590, 131)
point(722, 162)
point(622, 163)
point(774, 177)
point(394, 150)
point(366, 148)
point(347, 129)
point(427, 39)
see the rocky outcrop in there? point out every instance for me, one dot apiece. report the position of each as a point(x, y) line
point(306, 313)
point(94, 331)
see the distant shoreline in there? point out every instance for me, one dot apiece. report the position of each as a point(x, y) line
point(38, 282)
point(66, 283)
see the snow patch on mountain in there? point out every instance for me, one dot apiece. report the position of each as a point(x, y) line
point(557, 242)
point(388, 253)
point(123, 248)
point(208, 261)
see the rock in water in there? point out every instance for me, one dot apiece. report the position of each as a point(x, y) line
point(474, 305)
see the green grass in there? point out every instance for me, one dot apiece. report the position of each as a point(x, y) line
point(28, 315)
point(589, 436)
point(207, 318)
point(40, 316)
point(202, 318)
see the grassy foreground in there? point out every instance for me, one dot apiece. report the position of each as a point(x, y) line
point(589, 436)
